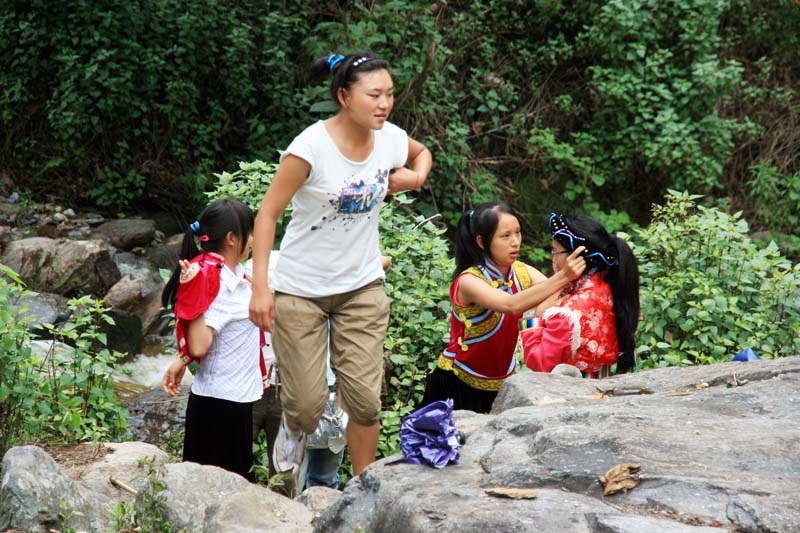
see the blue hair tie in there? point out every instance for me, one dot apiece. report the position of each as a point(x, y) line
point(194, 226)
point(334, 59)
point(472, 212)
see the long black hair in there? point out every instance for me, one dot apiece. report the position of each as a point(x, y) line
point(221, 217)
point(479, 222)
point(611, 255)
point(346, 69)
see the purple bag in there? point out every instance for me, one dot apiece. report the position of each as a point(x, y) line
point(429, 436)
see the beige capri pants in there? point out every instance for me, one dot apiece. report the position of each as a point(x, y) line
point(358, 322)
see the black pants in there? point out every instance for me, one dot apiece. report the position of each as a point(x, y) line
point(443, 384)
point(219, 433)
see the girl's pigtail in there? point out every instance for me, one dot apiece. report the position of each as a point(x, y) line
point(468, 252)
point(188, 251)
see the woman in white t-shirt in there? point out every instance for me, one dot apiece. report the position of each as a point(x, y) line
point(336, 173)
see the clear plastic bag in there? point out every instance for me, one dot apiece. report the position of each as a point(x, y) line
point(332, 428)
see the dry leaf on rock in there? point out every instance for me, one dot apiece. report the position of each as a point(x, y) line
point(548, 400)
point(514, 494)
point(620, 478)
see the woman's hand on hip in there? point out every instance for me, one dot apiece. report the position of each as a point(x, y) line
point(262, 308)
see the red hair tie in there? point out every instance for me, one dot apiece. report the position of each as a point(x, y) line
point(204, 238)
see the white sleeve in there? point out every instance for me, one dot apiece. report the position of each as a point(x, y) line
point(216, 317)
point(398, 144)
point(303, 147)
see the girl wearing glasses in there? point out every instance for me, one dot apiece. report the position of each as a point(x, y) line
point(590, 324)
point(490, 291)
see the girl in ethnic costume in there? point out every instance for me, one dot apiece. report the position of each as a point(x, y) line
point(336, 173)
point(590, 325)
point(211, 296)
point(490, 291)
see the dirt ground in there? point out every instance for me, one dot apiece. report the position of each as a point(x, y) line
point(74, 456)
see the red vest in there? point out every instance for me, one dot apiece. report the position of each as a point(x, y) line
point(482, 341)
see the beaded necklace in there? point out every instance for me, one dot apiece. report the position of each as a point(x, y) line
point(569, 289)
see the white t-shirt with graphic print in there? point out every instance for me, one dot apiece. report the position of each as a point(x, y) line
point(231, 368)
point(331, 243)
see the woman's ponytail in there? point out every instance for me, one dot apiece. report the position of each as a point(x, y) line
point(345, 69)
point(624, 281)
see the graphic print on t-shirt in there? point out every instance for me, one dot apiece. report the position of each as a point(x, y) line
point(357, 197)
point(361, 198)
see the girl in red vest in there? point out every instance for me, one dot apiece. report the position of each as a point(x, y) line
point(590, 324)
point(490, 291)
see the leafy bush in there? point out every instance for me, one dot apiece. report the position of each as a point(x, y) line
point(776, 198)
point(417, 285)
point(708, 291)
point(18, 377)
point(146, 96)
point(66, 396)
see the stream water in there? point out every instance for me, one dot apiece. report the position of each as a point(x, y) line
point(148, 370)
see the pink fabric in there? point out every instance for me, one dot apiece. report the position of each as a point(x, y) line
point(546, 347)
point(597, 345)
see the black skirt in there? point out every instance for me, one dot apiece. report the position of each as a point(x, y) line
point(219, 433)
point(443, 384)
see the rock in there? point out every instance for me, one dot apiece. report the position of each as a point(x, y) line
point(141, 295)
point(45, 348)
point(710, 457)
point(62, 266)
point(166, 254)
point(155, 416)
point(124, 464)
point(125, 294)
point(207, 498)
point(44, 308)
point(36, 495)
point(317, 499)
point(125, 335)
point(127, 233)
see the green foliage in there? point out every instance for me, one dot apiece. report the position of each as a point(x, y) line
point(147, 514)
point(708, 291)
point(659, 86)
point(417, 284)
point(776, 198)
point(18, 376)
point(64, 396)
point(150, 92)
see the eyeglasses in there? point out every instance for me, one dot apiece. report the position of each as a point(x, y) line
point(555, 252)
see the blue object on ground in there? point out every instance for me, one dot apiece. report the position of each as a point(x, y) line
point(745, 355)
point(429, 436)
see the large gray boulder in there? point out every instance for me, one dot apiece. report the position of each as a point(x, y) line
point(43, 308)
point(63, 266)
point(711, 456)
point(36, 495)
point(127, 233)
point(206, 498)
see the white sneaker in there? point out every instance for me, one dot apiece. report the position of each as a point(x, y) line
point(290, 446)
